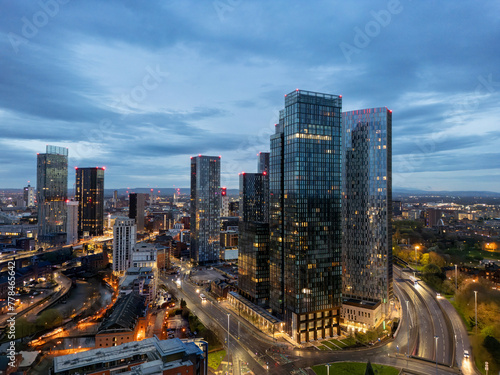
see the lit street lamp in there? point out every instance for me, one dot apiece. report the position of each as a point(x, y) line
point(436, 337)
point(456, 278)
point(475, 304)
point(408, 319)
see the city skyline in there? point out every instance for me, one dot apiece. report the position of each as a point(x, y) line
point(199, 80)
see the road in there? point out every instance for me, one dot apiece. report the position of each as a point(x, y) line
point(257, 350)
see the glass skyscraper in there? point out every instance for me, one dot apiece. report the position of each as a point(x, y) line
point(89, 192)
point(205, 209)
point(367, 205)
point(52, 192)
point(253, 255)
point(305, 215)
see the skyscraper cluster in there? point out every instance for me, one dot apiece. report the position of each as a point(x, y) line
point(314, 228)
point(60, 220)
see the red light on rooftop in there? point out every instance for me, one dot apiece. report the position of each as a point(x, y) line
point(264, 173)
point(285, 95)
point(76, 167)
point(199, 155)
point(103, 168)
point(296, 89)
point(390, 110)
point(340, 96)
point(220, 156)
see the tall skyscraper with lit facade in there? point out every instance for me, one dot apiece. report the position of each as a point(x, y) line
point(89, 192)
point(305, 216)
point(367, 205)
point(52, 192)
point(253, 244)
point(205, 209)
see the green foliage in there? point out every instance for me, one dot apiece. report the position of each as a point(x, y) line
point(431, 269)
point(354, 368)
point(492, 345)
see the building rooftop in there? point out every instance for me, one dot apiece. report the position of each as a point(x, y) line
point(114, 353)
point(125, 313)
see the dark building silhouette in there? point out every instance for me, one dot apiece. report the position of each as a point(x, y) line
point(89, 192)
point(253, 255)
point(137, 203)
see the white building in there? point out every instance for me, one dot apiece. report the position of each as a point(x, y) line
point(72, 222)
point(124, 241)
point(144, 255)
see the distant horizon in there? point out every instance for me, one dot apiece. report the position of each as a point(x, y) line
point(183, 189)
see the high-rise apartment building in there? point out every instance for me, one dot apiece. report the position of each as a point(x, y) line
point(205, 209)
point(137, 203)
point(29, 196)
point(253, 254)
point(263, 162)
point(305, 216)
point(72, 222)
point(224, 208)
point(124, 241)
point(52, 192)
point(367, 206)
point(89, 192)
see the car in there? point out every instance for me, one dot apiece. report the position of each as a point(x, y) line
point(466, 354)
point(438, 295)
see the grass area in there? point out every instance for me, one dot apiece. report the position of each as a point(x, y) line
point(339, 343)
point(215, 359)
point(349, 341)
point(461, 313)
point(322, 347)
point(354, 368)
point(330, 345)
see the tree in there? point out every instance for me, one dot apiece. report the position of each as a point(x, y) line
point(425, 259)
point(430, 269)
point(437, 259)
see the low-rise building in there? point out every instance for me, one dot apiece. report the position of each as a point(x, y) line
point(127, 322)
point(358, 315)
point(146, 357)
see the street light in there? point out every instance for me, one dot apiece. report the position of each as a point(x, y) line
point(328, 369)
point(475, 304)
point(408, 319)
point(456, 278)
point(436, 337)
point(228, 350)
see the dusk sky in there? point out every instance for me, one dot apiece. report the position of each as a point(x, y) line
point(140, 86)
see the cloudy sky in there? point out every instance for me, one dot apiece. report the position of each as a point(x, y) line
point(140, 86)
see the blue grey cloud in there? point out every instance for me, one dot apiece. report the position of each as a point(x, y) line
point(66, 68)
